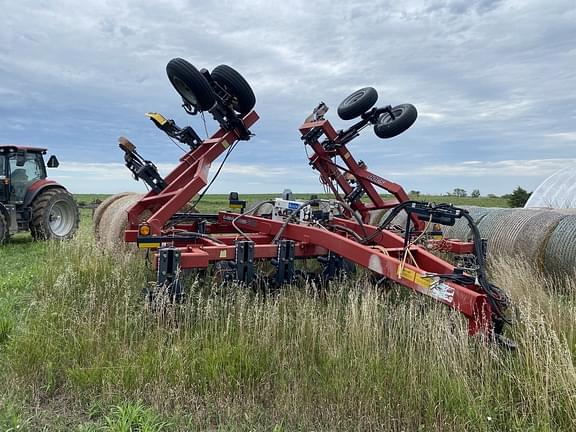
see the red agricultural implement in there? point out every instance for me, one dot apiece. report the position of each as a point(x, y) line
point(335, 233)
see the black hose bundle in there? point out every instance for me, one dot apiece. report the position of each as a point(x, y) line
point(393, 213)
point(498, 300)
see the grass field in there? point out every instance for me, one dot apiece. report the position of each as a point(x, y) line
point(80, 351)
point(218, 201)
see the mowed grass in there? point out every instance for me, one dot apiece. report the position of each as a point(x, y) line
point(83, 352)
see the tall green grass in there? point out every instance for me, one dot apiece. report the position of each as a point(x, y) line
point(88, 354)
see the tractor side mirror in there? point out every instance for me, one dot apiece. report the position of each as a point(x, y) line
point(53, 162)
point(20, 158)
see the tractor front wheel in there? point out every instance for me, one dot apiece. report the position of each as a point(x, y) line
point(54, 215)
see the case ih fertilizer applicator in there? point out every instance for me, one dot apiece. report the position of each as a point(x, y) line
point(336, 232)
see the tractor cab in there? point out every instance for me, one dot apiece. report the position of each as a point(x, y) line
point(20, 168)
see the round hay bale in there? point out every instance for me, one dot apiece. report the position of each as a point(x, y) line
point(560, 253)
point(490, 224)
point(119, 221)
point(116, 218)
point(460, 230)
point(568, 211)
point(399, 220)
point(503, 230)
point(532, 239)
point(376, 216)
point(97, 216)
point(263, 208)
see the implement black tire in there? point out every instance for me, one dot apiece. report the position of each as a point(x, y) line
point(357, 103)
point(3, 229)
point(55, 215)
point(235, 84)
point(405, 116)
point(190, 84)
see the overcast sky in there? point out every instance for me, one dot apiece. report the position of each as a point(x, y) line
point(493, 81)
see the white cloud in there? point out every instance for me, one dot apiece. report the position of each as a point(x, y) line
point(258, 171)
point(92, 177)
point(432, 116)
point(82, 177)
point(564, 136)
point(491, 80)
point(506, 168)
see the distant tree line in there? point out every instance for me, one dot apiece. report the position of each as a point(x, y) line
point(517, 198)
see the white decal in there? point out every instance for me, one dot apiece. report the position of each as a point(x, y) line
point(443, 292)
point(375, 264)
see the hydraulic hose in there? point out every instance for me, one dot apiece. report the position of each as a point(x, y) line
point(496, 297)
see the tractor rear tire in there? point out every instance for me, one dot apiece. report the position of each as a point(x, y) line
point(55, 215)
point(190, 84)
point(404, 116)
point(3, 229)
point(357, 103)
point(235, 84)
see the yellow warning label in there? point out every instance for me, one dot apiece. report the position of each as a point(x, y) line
point(225, 144)
point(148, 245)
point(423, 281)
point(158, 117)
point(408, 274)
point(223, 253)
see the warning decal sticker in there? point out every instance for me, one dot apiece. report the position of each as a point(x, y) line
point(443, 292)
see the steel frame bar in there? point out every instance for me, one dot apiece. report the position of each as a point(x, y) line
point(185, 181)
point(384, 258)
point(332, 174)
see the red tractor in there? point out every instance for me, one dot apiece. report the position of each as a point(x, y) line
point(31, 202)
